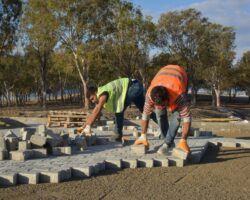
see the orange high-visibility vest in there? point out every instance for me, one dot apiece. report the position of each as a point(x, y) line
point(174, 79)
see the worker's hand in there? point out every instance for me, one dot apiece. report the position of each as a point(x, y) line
point(142, 140)
point(87, 129)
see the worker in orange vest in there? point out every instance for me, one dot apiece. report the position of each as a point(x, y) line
point(167, 91)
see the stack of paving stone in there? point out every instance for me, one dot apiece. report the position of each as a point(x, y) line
point(38, 143)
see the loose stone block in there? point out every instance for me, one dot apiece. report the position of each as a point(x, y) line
point(12, 143)
point(8, 179)
point(145, 162)
point(245, 144)
point(129, 163)
point(39, 153)
point(10, 134)
point(161, 162)
point(41, 130)
point(53, 139)
point(101, 141)
point(82, 172)
point(90, 139)
point(80, 142)
point(135, 133)
point(110, 122)
point(20, 155)
point(102, 128)
point(130, 127)
point(2, 143)
point(113, 164)
point(58, 151)
point(38, 140)
point(196, 133)
point(138, 149)
point(28, 178)
point(180, 153)
point(231, 144)
point(3, 154)
point(24, 145)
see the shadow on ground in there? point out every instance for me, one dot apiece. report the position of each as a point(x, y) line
point(7, 123)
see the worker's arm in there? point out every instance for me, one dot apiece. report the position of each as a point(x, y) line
point(97, 110)
point(184, 109)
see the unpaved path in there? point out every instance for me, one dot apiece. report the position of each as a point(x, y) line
point(221, 175)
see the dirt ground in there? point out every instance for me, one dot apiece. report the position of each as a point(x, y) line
point(223, 174)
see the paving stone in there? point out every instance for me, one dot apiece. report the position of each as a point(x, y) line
point(102, 128)
point(135, 133)
point(113, 164)
point(138, 149)
point(90, 139)
point(196, 133)
point(8, 179)
point(82, 172)
point(180, 153)
point(53, 139)
point(2, 143)
point(28, 178)
point(49, 177)
point(38, 140)
point(101, 141)
point(110, 122)
point(41, 130)
point(145, 162)
point(10, 134)
point(161, 162)
point(129, 163)
point(11, 143)
point(3, 154)
point(173, 161)
point(20, 155)
point(24, 145)
point(39, 153)
point(65, 174)
point(244, 144)
point(80, 142)
point(231, 144)
point(59, 151)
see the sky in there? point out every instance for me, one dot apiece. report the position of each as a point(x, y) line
point(234, 13)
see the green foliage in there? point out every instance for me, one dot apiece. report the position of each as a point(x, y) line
point(10, 11)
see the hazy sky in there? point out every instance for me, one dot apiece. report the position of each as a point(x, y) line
point(235, 13)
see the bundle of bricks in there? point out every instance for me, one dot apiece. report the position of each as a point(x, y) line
point(66, 118)
point(38, 143)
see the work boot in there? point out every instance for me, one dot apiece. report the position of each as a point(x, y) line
point(165, 148)
point(183, 145)
point(115, 138)
point(142, 140)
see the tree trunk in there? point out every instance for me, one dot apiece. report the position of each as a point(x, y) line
point(217, 95)
point(193, 96)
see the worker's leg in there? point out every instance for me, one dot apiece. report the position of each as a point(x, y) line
point(119, 117)
point(137, 96)
point(174, 123)
point(161, 115)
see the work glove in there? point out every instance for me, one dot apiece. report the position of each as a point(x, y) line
point(183, 145)
point(87, 130)
point(142, 140)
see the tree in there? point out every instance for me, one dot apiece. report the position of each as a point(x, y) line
point(83, 25)
point(244, 72)
point(218, 58)
point(130, 43)
point(39, 25)
point(180, 34)
point(10, 11)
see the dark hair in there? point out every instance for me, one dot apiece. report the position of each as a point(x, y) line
point(91, 89)
point(159, 95)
